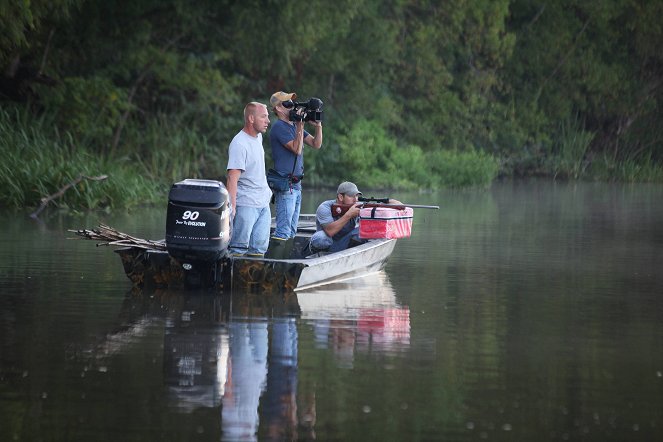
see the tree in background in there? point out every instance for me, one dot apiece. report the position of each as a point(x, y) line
point(25, 44)
point(599, 62)
point(554, 88)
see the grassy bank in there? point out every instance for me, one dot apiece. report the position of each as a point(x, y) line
point(38, 161)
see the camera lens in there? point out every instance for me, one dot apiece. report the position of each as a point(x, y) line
point(315, 104)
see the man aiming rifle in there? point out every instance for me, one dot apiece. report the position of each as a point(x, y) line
point(340, 209)
point(337, 221)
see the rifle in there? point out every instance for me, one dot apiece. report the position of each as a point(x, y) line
point(340, 209)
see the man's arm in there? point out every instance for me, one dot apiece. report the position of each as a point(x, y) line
point(334, 227)
point(295, 146)
point(231, 186)
point(315, 141)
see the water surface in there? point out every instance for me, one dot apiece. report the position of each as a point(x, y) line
point(531, 311)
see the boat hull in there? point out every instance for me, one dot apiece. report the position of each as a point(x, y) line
point(156, 268)
point(300, 274)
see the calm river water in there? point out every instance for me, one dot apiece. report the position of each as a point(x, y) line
point(531, 311)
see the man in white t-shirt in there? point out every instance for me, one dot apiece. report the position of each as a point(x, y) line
point(247, 185)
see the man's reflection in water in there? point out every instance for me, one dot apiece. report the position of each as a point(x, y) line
point(253, 371)
point(244, 356)
point(245, 364)
point(280, 402)
point(245, 381)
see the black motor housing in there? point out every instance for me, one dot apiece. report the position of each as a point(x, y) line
point(197, 220)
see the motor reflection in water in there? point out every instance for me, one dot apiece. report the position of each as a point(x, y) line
point(196, 346)
point(240, 352)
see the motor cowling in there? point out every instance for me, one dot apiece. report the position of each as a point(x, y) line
point(197, 220)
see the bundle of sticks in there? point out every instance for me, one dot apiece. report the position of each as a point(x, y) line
point(108, 236)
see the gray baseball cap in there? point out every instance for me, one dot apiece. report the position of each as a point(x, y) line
point(348, 188)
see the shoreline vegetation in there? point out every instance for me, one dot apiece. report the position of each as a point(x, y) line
point(38, 161)
point(454, 94)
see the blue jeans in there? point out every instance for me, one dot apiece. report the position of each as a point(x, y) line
point(288, 204)
point(250, 232)
point(249, 347)
point(320, 241)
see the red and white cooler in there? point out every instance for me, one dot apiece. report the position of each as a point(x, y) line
point(385, 222)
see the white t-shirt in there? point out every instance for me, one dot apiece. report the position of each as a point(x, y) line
point(247, 154)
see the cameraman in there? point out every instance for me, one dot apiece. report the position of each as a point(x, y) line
point(287, 139)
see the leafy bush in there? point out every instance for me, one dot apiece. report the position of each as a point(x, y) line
point(375, 160)
point(88, 108)
point(463, 169)
point(372, 158)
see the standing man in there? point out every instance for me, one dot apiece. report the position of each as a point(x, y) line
point(247, 185)
point(287, 139)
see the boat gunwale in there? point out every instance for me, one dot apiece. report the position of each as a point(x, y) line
point(309, 262)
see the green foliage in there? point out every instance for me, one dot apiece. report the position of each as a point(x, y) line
point(89, 107)
point(605, 168)
point(452, 55)
point(273, 42)
point(569, 156)
point(157, 87)
point(138, 62)
point(38, 162)
point(373, 159)
point(463, 168)
point(21, 21)
point(169, 152)
point(597, 60)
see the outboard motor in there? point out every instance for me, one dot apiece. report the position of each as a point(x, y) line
point(198, 227)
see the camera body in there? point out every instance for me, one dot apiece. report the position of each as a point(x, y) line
point(310, 110)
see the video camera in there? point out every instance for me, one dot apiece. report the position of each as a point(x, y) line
point(312, 110)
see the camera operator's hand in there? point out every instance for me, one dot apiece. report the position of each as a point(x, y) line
point(301, 113)
point(316, 140)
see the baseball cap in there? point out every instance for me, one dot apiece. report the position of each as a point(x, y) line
point(279, 97)
point(348, 188)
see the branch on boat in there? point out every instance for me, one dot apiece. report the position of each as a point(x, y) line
point(47, 199)
point(112, 237)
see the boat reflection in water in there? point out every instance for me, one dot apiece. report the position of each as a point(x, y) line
point(359, 316)
point(240, 352)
